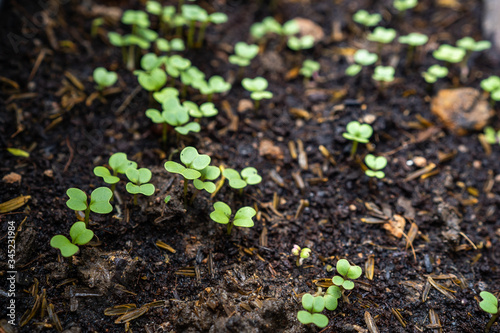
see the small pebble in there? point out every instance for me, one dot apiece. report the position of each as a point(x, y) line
point(352, 208)
point(244, 105)
point(420, 161)
point(462, 149)
point(369, 118)
point(476, 164)
point(497, 178)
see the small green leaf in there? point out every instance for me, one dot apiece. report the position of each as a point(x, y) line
point(334, 291)
point(353, 70)
point(365, 58)
point(320, 320)
point(80, 234)
point(174, 167)
point(251, 176)
point(77, 199)
point(99, 200)
point(337, 280)
point(104, 78)
point(331, 302)
point(489, 302)
point(354, 272)
point(64, 245)
point(119, 163)
point(191, 174)
point(305, 317)
point(348, 285)
point(257, 84)
point(103, 172)
point(245, 212)
point(155, 116)
point(243, 222)
point(189, 127)
point(318, 304)
point(375, 163)
point(18, 152)
point(308, 302)
point(343, 267)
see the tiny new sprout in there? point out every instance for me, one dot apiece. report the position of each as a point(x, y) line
point(300, 43)
point(99, 201)
point(434, 73)
point(216, 84)
point(175, 44)
point(382, 36)
point(209, 173)
point(375, 165)
point(205, 110)
point(119, 164)
point(491, 136)
point(313, 305)
point(404, 5)
point(139, 179)
point(413, 39)
point(492, 86)
point(194, 163)
point(175, 65)
point(347, 273)
point(309, 68)
point(449, 53)
point(257, 87)
point(80, 235)
point(489, 304)
point(152, 80)
point(193, 14)
point(357, 132)
point(140, 34)
point(384, 74)
point(361, 58)
point(364, 18)
point(242, 218)
point(470, 45)
point(249, 176)
point(243, 54)
point(215, 18)
point(104, 78)
point(301, 254)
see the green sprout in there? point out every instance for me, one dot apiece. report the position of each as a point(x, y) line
point(413, 39)
point(192, 76)
point(194, 163)
point(151, 77)
point(175, 44)
point(243, 54)
point(383, 74)
point(175, 115)
point(309, 68)
point(257, 87)
point(491, 136)
point(300, 43)
point(242, 218)
point(141, 36)
point(347, 273)
point(99, 201)
point(175, 65)
point(80, 235)
point(139, 182)
point(404, 5)
point(248, 176)
point(470, 45)
point(489, 304)
point(301, 254)
point(313, 305)
point(104, 78)
point(449, 54)
point(492, 86)
point(193, 14)
point(165, 14)
point(382, 36)
point(205, 110)
point(364, 18)
point(375, 165)
point(96, 23)
point(361, 58)
point(216, 84)
point(357, 133)
point(162, 95)
point(209, 173)
point(119, 164)
point(434, 73)
point(215, 18)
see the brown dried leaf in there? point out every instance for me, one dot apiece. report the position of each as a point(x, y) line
point(396, 226)
point(269, 150)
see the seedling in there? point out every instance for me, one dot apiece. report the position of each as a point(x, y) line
point(383, 74)
point(309, 68)
point(413, 39)
point(434, 73)
point(242, 218)
point(243, 54)
point(470, 45)
point(162, 95)
point(301, 254)
point(164, 14)
point(131, 41)
point(491, 136)
point(103, 78)
point(194, 163)
point(99, 201)
point(361, 58)
point(119, 164)
point(173, 114)
point(216, 84)
point(249, 176)
point(348, 272)
point(449, 54)
point(175, 44)
point(313, 305)
point(404, 5)
point(375, 165)
point(153, 80)
point(193, 14)
point(215, 18)
point(382, 36)
point(139, 182)
point(492, 86)
point(175, 65)
point(257, 87)
point(209, 173)
point(80, 235)
point(357, 133)
point(489, 304)
point(96, 23)
point(140, 33)
point(300, 43)
point(192, 76)
point(364, 18)
point(205, 110)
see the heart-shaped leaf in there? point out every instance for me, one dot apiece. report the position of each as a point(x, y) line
point(155, 116)
point(145, 189)
point(354, 272)
point(489, 302)
point(64, 245)
point(77, 199)
point(318, 304)
point(348, 285)
point(308, 302)
point(246, 51)
point(245, 212)
point(343, 267)
point(99, 200)
point(365, 58)
point(103, 172)
point(257, 84)
point(221, 213)
point(104, 78)
point(189, 127)
point(174, 167)
point(150, 61)
point(334, 291)
point(119, 163)
point(80, 234)
point(191, 174)
point(331, 302)
point(375, 163)
point(210, 172)
point(154, 80)
point(162, 95)
point(337, 280)
point(259, 95)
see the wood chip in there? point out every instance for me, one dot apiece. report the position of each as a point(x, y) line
point(14, 204)
point(302, 155)
point(370, 267)
point(418, 173)
point(165, 246)
point(370, 323)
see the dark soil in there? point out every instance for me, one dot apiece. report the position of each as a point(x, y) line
point(247, 282)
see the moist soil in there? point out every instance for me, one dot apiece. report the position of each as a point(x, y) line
point(248, 281)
